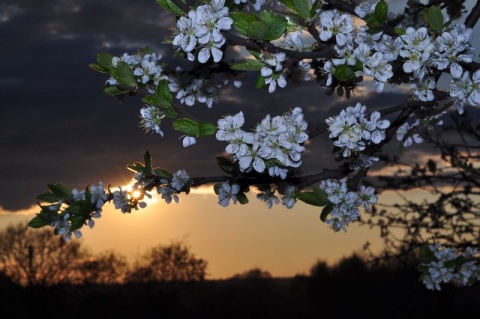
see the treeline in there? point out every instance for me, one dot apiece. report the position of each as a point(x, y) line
point(170, 283)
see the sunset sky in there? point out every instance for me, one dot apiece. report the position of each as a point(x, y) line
point(57, 125)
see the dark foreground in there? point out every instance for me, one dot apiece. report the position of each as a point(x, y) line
point(367, 295)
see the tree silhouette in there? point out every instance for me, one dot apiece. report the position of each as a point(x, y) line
point(169, 263)
point(106, 268)
point(252, 274)
point(38, 258)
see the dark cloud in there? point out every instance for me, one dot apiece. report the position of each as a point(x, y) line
point(58, 126)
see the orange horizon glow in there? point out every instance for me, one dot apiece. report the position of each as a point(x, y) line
point(284, 242)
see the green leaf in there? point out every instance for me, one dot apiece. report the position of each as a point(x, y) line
point(170, 112)
point(48, 198)
point(275, 24)
point(171, 7)
point(113, 90)
point(187, 126)
point(242, 198)
point(226, 165)
point(303, 8)
point(242, 20)
point(147, 158)
point(207, 128)
point(381, 12)
point(321, 195)
point(326, 211)
point(136, 167)
point(257, 30)
point(61, 191)
point(124, 74)
point(260, 82)
point(248, 65)
point(309, 198)
point(88, 194)
point(256, 54)
point(163, 92)
point(434, 18)
point(77, 222)
point(98, 68)
point(313, 9)
point(344, 73)
point(217, 187)
point(147, 50)
point(426, 254)
point(162, 173)
point(400, 31)
point(290, 5)
point(42, 219)
point(155, 100)
point(38, 222)
point(105, 59)
point(80, 208)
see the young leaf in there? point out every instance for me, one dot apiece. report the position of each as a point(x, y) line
point(147, 158)
point(290, 5)
point(309, 198)
point(80, 208)
point(321, 195)
point(256, 54)
point(38, 222)
point(381, 12)
point(400, 31)
point(171, 7)
point(242, 198)
point(313, 9)
point(160, 172)
point(48, 198)
point(124, 74)
point(276, 25)
point(98, 68)
point(77, 222)
point(170, 112)
point(136, 167)
point(113, 90)
point(61, 191)
point(226, 165)
point(260, 82)
point(105, 59)
point(344, 73)
point(163, 92)
point(303, 9)
point(242, 20)
point(187, 126)
point(257, 30)
point(326, 211)
point(207, 128)
point(248, 65)
point(435, 18)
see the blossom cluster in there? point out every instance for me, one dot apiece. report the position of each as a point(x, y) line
point(272, 71)
point(345, 203)
point(203, 27)
point(352, 130)
point(190, 88)
point(278, 141)
point(447, 267)
point(146, 68)
point(420, 53)
point(62, 225)
point(168, 188)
